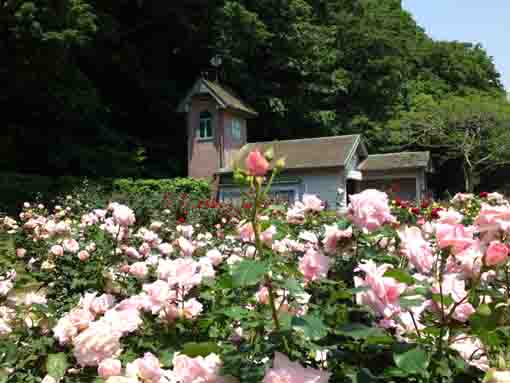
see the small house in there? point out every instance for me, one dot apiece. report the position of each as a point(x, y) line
point(331, 167)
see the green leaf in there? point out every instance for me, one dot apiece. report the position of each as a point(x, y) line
point(362, 376)
point(4, 375)
point(236, 312)
point(166, 357)
point(410, 302)
point(359, 331)
point(447, 300)
point(413, 360)
point(56, 365)
point(248, 273)
point(312, 326)
point(193, 349)
point(400, 276)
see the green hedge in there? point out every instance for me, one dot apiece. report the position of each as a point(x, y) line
point(17, 188)
point(197, 188)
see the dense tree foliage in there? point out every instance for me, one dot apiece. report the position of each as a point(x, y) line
point(91, 86)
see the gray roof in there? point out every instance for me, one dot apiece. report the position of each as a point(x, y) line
point(225, 97)
point(391, 161)
point(320, 152)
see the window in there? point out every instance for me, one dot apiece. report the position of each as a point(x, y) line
point(205, 128)
point(236, 129)
point(283, 195)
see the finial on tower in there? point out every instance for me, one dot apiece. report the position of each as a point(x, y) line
point(216, 62)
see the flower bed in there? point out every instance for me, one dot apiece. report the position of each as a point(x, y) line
point(388, 293)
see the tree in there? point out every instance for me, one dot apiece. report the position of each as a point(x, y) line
point(475, 130)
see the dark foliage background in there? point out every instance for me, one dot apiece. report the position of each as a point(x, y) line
point(89, 88)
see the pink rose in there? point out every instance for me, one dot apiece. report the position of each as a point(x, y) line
point(383, 293)
point(109, 367)
point(57, 250)
point(95, 344)
point(458, 236)
point(148, 368)
point(187, 248)
point(256, 164)
point(312, 203)
point(102, 304)
point(123, 215)
point(71, 245)
point(267, 235)
point(192, 308)
point(139, 269)
point(20, 252)
point(454, 287)
point(332, 235)
point(285, 371)
point(450, 216)
point(83, 255)
point(144, 249)
point(132, 253)
point(471, 350)
point(314, 265)
point(496, 254)
point(214, 256)
point(199, 369)
point(246, 232)
point(370, 209)
point(165, 248)
point(415, 248)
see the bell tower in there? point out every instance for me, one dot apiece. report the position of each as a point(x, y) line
point(215, 126)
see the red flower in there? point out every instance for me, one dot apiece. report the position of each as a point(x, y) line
point(484, 194)
point(247, 205)
point(398, 201)
point(415, 210)
point(182, 220)
point(435, 212)
point(425, 204)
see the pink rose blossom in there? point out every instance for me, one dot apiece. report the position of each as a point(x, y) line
point(139, 270)
point(267, 235)
point(493, 218)
point(20, 252)
point(102, 303)
point(384, 292)
point(458, 237)
point(83, 255)
point(314, 265)
point(214, 256)
point(256, 164)
point(95, 344)
point(122, 321)
point(65, 330)
point(147, 368)
point(165, 248)
point(144, 250)
point(471, 350)
point(415, 248)
point(109, 367)
point(450, 216)
point(57, 250)
point(123, 215)
point(496, 254)
point(187, 248)
point(246, 232)
point(158, 294)
point(195, 370)
point(285, 371)
point(132, 253)
point(333, 235)
point(192, 308)
point(370, 209)
point(71, 245)
point(454, 287)
point(312, 203)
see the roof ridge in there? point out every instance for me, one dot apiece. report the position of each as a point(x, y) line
point(303, 139)
point(393, 153)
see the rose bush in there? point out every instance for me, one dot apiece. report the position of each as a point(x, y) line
point(389, 292)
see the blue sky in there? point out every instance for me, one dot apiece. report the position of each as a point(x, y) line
point(479, 21)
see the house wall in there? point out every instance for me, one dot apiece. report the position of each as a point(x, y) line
point(322, 182)
point(231, 145)
point(410, 184)
point(203, 155)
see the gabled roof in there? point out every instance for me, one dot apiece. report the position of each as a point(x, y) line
point(390, 161)
point(307, 153)
point(224, 97)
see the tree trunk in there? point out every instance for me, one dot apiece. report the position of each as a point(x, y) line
point(468, 179)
